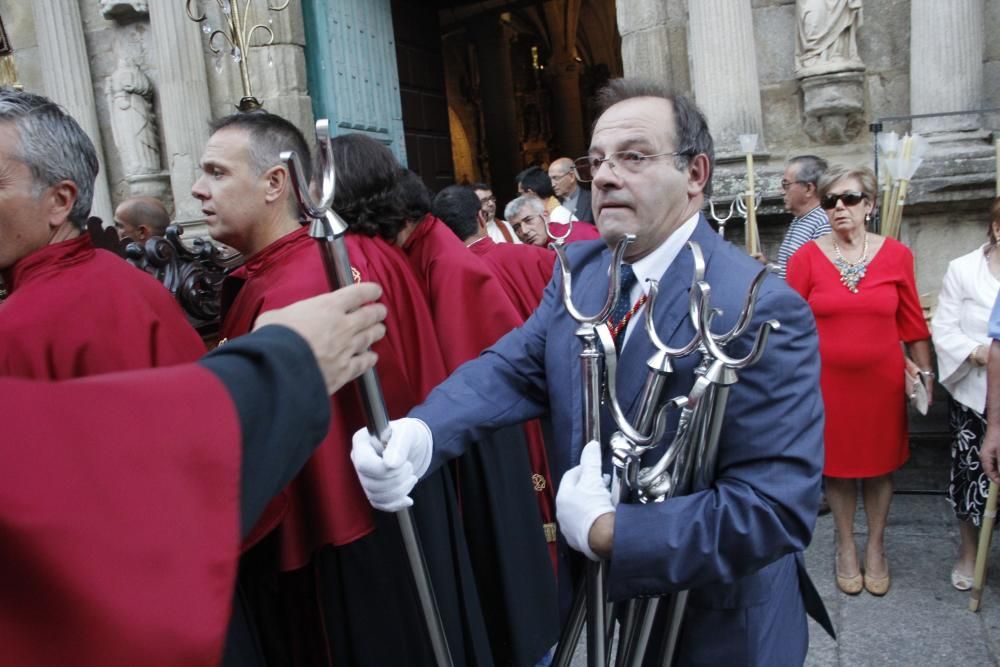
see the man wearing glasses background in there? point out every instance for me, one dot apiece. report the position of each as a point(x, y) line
point(799, 185)
point(498, 230)
point(569, 192)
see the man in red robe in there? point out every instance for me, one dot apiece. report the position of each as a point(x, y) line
point(129, 556)
point(73, 310)
point(327, 581)
point(531, 222)
point(498, 486)
point(523, 270)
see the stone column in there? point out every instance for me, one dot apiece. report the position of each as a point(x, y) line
point(568, 123)
point(724, 70)
point(499, 115)
point(185, 108)
point(66, 72)
point(946, 62)
point(645, 39)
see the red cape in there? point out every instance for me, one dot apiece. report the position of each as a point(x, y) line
point(120, 529)
point(522, 270)
point(582, 231)
point(325, 503)
point(75, 311)
point(471, 311)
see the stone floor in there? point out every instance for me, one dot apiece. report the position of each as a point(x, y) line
point(922, 620)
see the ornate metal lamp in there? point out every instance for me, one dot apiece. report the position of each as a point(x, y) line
point(235, 35)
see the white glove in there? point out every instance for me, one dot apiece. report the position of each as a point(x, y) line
point(388, 478)
point(583, 497)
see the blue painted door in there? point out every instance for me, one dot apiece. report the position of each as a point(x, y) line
point(351, 67)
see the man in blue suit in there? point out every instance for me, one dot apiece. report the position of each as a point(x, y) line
point(737, 545)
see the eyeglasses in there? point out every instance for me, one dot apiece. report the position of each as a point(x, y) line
point(630, 161)
point(488, 200)
point(849, 198)
point(787, 184)
point(562, 175)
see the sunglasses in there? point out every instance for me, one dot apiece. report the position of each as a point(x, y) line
point(849, 198)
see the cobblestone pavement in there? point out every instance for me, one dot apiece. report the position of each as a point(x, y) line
point(922, 621)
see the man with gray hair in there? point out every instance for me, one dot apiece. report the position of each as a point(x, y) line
point(531, 223)
point(799, 185)
point(73, 310)
point(568, 190)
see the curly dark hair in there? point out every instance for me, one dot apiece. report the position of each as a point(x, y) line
point(414, 195)
point(367, 196)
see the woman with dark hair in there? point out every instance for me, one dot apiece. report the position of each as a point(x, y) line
point(861, 289)
point(367, 195)
point(968, 291)
point(514, 594)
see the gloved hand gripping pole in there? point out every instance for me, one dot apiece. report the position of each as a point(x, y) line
point(328, 229)
point(590, 596)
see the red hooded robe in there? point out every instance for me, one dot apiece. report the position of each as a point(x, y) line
point(75, 311)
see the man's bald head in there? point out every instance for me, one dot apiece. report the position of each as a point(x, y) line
point(563, 178)
point(140, 218)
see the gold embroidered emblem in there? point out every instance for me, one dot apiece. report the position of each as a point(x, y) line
point(538, 482)
point(550, 531)
point(356, 275)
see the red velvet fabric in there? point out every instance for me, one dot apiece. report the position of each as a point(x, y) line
point(472, 311)
point(468, 305)
point(522, 270)
point(325, 503)
point(75, 311)
point(120, 529)
point(582, 231)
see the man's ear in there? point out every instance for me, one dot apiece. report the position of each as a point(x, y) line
point(481, 220)
point(698, 173)
point(278, 182)
point(144, 232)
point(59, 200)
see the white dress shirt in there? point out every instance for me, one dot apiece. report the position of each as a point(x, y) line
point(968, 292)
point(655, 264)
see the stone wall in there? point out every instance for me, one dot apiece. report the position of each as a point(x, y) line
point(121, 49)
point(947, 212)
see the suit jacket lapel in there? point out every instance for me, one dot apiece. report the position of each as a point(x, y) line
point(670, 312)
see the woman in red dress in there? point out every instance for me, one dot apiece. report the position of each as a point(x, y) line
point(861, 289)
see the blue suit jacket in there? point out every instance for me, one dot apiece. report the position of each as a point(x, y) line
point(737, 545)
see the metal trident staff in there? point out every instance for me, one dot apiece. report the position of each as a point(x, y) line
point(718, 376)
point(328, 229)
point(592, 592)
point(630, 442)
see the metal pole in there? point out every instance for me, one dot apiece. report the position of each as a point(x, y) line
point(328, 229)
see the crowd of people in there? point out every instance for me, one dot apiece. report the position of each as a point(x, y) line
point(250, 520)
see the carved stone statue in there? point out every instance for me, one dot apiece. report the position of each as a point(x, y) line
point(827, 36)
point(134, 128)
point(829, 68)
point(124, 9)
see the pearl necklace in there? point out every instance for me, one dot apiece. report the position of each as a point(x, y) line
point(851, 273)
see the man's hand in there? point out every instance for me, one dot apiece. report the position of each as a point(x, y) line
point(582, 503)
point(388, 478)
point(339, 327)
